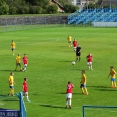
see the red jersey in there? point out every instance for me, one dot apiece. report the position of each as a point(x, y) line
point(75, 43)
point(25, 86)
point(69, 88)
point(89, 58)
point(25, 60)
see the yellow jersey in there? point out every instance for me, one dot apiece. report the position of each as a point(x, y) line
point(83, 79)
point(112, 73)
point(11, 81)
point(69, 38)
point(12, 45)
point(18, 59)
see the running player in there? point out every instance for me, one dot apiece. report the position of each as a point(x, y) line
point(89, 61)
point(25, 89)
point(69, 94)
point(69, 38)
point(25, 62)
point(74, 45)
point(78, 53)
point(11, 84)
point(83, 83)
point(113, 77)
point(12, 47)
point(18, 62)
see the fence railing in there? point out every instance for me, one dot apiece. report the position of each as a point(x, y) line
point(17, 23)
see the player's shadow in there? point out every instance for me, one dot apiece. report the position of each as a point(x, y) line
point(7, 70)
point(103, 88)
point(3, 96)
point(99, 87)
point(51, 106)
point(13, 99)
point(65, 61)
point(65, 93)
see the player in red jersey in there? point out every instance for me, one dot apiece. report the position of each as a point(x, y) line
point(69, 94)
point(89, 61)
point(74, 45)
point(25, 89)
point(25, 62)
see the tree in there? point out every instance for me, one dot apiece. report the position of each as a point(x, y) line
point(68, 8)
point(63, 2)
point(52, 9)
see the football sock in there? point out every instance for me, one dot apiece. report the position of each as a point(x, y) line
point(82, 90)
point(79, 58)
point(27, 98)
point(86, 91)
point(69, 101)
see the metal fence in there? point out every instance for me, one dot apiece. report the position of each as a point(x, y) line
point(17, 23)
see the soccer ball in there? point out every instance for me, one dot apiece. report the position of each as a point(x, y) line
point(73, 63)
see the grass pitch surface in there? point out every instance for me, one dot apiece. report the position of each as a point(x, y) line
point(50, 69)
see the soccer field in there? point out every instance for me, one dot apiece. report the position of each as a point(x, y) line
point(50, 69)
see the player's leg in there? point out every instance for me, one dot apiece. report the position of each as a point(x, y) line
point(66, 101)
point(112, 83)
point(12, 51)
point(86, 92)
point(91, 66)
point(11, 92)
point(27, 97)
point(88, 65)
point(71, 43)
point(70, 103)
point(76, 58)
point(25, 65)
point(16, 66)
point(79, 57)
point(20, 66)
point(85, 89)
point(82, 89)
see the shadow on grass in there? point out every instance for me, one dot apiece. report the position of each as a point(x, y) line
point(64, 61)
point(10, 99)
point(99, 86)
point(6, 70)
point(103, 88)
point(52, 106)
point(65, 93)
point(3, 96)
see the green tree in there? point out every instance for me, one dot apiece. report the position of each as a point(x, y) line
point(63, 2)
point(52, 9)
point(68, 8)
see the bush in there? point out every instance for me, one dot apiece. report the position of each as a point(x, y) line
point(52, 9)
point(23, 10)
point(4, 9)
point(35, 10)
point(68, 8)
point(12, 10)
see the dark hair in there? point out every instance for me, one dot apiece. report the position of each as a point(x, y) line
point(83, 71)
point(111, 67)
point(69, 82)
point(25, 79)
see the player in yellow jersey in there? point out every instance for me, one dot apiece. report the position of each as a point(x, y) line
point(12, 47)
point(18, 63)
point(113, 77)
point(11, 84)
point(69, 38)
point(83, 83)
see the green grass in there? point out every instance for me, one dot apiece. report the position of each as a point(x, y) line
point(50, 69)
